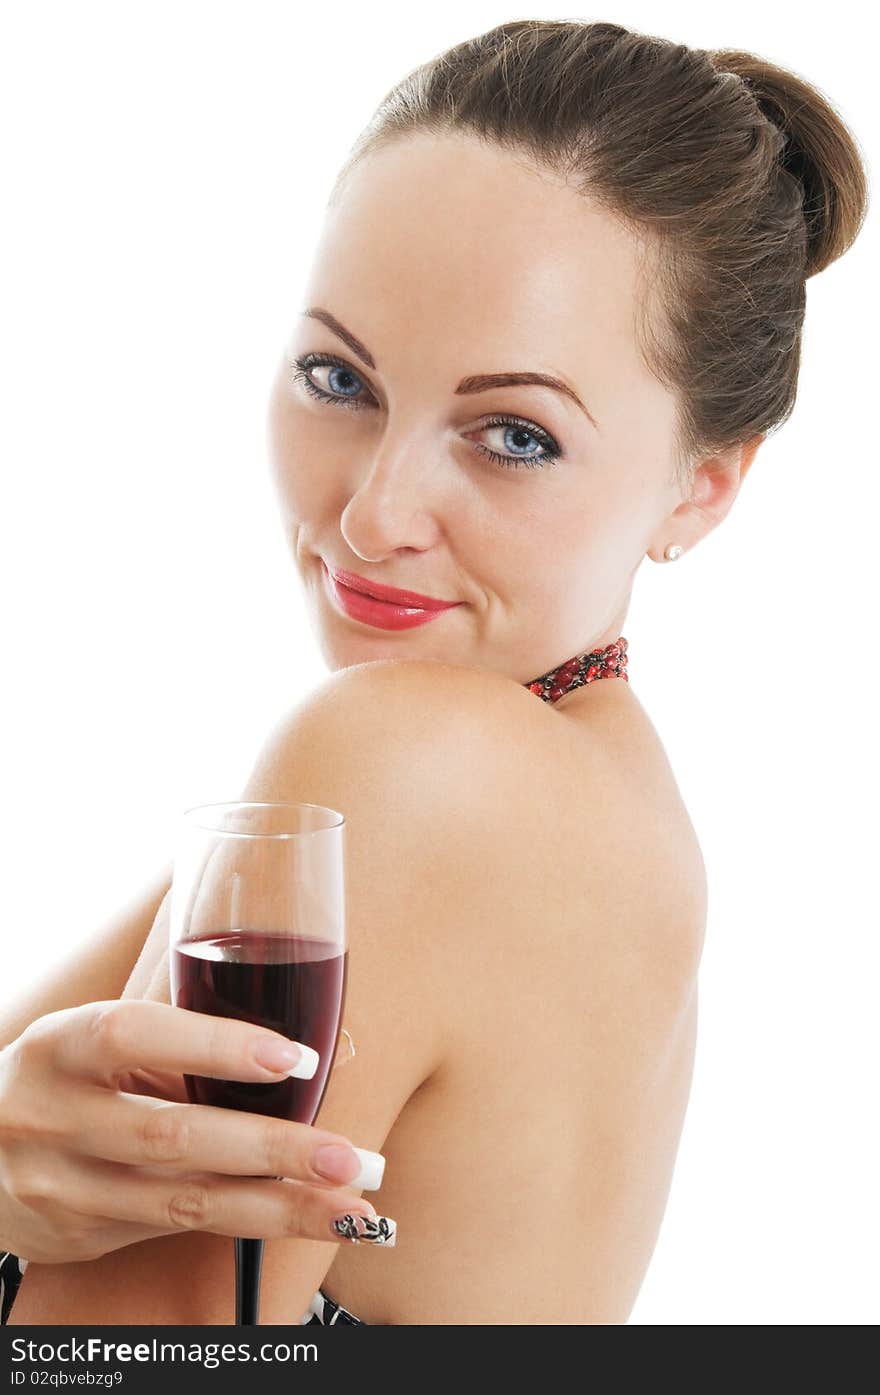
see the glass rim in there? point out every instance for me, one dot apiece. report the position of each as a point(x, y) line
point(261, 804)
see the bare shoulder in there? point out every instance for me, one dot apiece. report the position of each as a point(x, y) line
point(466, 756)
point(427, 704)
point(587, 787)
point(462, 780)
point(503, 777)
point(491, 836)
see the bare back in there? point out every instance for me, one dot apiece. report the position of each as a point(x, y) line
point(554, 1053)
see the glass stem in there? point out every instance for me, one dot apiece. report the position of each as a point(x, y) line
point(248, 1265)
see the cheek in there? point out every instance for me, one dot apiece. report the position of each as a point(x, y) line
point(301, 468)
point(574, 540)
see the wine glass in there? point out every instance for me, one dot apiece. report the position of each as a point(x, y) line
point(257, 931)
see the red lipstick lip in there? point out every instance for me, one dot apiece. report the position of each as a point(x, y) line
point(387, 593)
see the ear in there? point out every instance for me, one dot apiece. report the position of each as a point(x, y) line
point(716, 483)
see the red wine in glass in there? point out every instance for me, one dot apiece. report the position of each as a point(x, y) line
point(289, 983)
point(257, 933)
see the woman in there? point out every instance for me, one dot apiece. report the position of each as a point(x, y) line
point(561, 247)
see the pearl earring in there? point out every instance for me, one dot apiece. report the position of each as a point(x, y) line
point(672, 552)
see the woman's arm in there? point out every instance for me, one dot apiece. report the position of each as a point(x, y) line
point(94, 971)
point(357, 744)
point(188, 1277)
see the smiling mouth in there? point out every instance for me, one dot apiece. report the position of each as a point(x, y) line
point(387, 595)
point(379, 614)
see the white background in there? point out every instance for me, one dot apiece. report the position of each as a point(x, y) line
point(165, 167)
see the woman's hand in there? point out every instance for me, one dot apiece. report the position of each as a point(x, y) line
point(98, 1148)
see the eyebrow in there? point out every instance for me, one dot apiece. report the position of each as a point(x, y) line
point(477, 382)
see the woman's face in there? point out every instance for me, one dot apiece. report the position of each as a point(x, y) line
point(447, 261)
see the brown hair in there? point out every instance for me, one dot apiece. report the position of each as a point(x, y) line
point(738, 178)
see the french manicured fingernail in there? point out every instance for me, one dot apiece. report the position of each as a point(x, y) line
point(290, 1057)
point(355, 1166)
point(366, 1230)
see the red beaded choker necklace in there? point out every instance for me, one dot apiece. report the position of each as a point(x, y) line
point(609, 662)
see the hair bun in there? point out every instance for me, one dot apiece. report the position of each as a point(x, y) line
point(818, 150)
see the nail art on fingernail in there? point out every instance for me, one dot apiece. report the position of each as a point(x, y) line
point(367, 1230)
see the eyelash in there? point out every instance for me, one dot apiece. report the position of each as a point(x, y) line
point(552, 452)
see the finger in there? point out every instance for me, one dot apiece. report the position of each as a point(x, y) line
point(52, 1229)
point(261, 1208)
point(143, 1131)
point(103, 1039)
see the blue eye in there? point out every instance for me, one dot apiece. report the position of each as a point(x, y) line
point(343, 394)
point(515, 427)
point(338, 367)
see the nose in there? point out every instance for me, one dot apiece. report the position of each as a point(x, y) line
point(397, 502)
